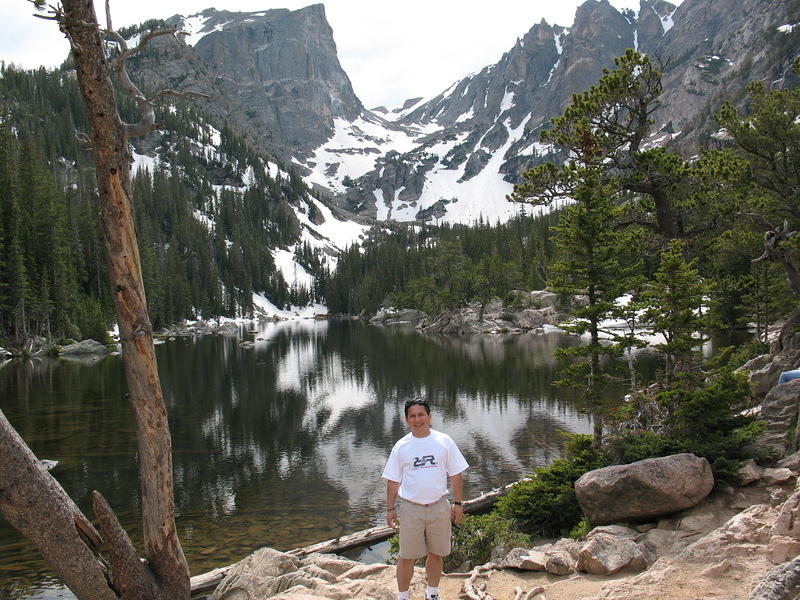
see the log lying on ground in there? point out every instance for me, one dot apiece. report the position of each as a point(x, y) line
point(208, 581)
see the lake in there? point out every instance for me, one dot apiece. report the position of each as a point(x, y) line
point(283, 445)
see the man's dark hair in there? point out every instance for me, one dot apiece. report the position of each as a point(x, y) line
point(423, 403)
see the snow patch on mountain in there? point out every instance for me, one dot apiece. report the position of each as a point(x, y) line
point(666, 21)
point(353, 149)
point(195, 28)
point(507, 102)
point(483, 195)
point(333, 233)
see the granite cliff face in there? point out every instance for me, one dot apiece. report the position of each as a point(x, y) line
point(275, 76)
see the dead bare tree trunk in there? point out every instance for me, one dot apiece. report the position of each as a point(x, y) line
point(35, 504)
point(109, 138)
point(29, 497)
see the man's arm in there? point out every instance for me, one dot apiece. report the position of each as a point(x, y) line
point(457, 482)
point(391, 502)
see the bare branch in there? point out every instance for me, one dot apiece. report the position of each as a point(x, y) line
point(758, 218)
point(130, 573)
point(185, 95)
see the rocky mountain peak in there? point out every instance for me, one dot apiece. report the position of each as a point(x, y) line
point(274, 74)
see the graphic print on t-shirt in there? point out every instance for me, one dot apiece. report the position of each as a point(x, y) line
point(421, 461)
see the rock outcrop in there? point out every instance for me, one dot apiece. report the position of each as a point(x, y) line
point(644, 489)
point(84, 348)
point(490, 121)
point(271, 574)
point(492, 317)
point(606, 554)
point(723, 547)
point(273, 75)
point(779, 411)
point(402, 317)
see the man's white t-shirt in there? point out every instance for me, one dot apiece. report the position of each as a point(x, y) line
point(422, 465)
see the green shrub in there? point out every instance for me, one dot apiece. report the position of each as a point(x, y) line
point(476, 537)
point(581, 529)
point(473, 541)
point(638, 445)
point(707, 421)
point(546, 504)
point(701, 417)
point(736, 356)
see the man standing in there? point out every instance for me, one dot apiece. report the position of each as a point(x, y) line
point(416, 496)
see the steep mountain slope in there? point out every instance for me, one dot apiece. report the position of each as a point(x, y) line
point(274, 77)
point(490, 122)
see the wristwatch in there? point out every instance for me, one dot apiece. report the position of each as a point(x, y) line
point(456, 503)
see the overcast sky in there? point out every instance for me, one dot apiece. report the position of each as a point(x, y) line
point(390, 50)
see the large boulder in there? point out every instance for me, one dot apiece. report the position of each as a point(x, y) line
point(534, 299)
point(606, 554)
point(262, 574)
point(644, 489)
point(84, 348)
point(534, 318)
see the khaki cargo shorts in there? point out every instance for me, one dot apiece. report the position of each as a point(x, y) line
point(424, 528)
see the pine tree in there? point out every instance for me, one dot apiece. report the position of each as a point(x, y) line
point(675, 309)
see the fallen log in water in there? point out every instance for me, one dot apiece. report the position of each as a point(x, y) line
point(208, 581)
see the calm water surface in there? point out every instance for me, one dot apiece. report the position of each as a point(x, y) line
point(283, 445)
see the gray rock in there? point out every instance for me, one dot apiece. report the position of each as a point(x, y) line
point(403, 316)
point(791, 462)
point(514, 558)
point(618, 530)
point(261, 575)
point(660, 542)
point(534, 318)
point(555, 559)
point(332, 563)
point(606, 554)
point(780, 583)
point(559, 562)
point(777, 477)
point(533, 299)
point(765, 369)
point(779, 412)
point(491, 317)
point(83, 348)
point(534, 560)
point(749, 472)
point(644, 489)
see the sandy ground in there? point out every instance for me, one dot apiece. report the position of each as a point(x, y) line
point(685, 582)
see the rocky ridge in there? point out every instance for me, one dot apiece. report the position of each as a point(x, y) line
point(275, 76)
point(490, 122)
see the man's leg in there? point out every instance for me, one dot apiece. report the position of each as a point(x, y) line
point(405, 570)
point(433, 569)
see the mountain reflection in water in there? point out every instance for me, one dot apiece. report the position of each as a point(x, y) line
point(283, 445)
